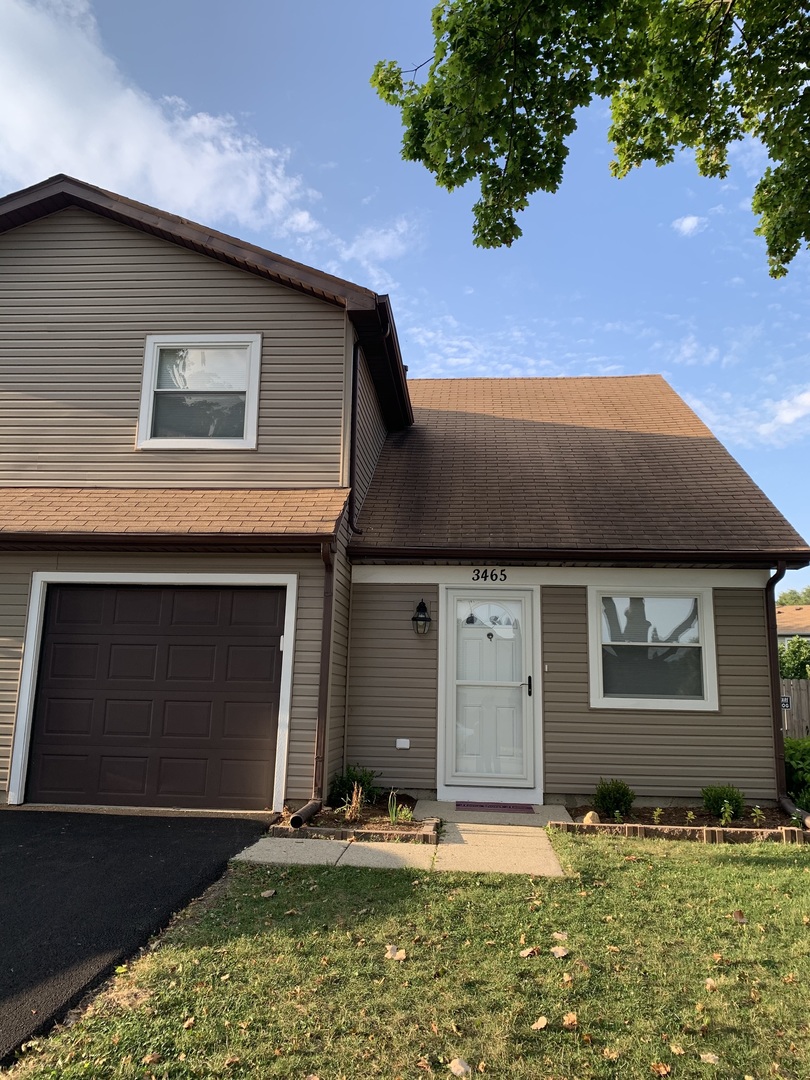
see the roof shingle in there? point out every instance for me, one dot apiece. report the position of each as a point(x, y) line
point(563, 464)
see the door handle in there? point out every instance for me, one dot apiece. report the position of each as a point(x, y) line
point(528, 684)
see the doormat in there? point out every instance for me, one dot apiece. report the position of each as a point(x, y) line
point(497, 807)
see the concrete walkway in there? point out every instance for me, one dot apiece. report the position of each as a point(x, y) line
point(474, 842)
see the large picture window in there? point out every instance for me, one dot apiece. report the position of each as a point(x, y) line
point(200, 391)
point(652, 649)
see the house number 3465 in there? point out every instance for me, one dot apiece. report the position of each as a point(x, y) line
point(488, 574)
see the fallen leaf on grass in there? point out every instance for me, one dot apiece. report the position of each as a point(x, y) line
point(711, 985)
point(568, 978)
point(611, 1055)
point(613, 948)
point(150, 1059)
point(224, 978)
point(569, 1021)
point(188, 1023)
point(560, 935)
point(267, 894)
point(292, 911)
point(312, 1076)
point(424, 1064)
point(533, 950)
point(231, 1061)
point(660, 1068)
point(710, 1059)
point(790, 978)
point(676, 1048)
point(738, 917)
point(459, 1067)
point(393, 953)
point(540, 1023)
point(559, 952)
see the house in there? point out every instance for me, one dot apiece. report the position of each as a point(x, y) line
point(224, 513)
point(792, 620)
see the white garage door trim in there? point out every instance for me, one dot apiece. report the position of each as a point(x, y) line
point(33, 636)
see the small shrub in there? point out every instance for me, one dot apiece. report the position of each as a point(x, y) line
point(690, 816)
point(613, 797)
point(342, 787)
point(797, 766)
point(757, 815)
point(802, 799)
point(658, 813)
point(714, 798)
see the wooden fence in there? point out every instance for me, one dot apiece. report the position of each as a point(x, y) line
point(796, 719)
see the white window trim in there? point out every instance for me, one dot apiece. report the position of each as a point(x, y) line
point(710, 700)
point(154, 342)
point(33, 637)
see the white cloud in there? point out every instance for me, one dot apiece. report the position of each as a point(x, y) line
point(690, 225)
point(739, 421)
point(68, 108)
point(787, 412)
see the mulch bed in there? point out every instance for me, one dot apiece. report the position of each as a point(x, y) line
point(371, 824)
point(672, 824)
point(774, 817)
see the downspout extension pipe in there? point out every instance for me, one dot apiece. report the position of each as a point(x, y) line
point(309, 810)
point(795, 811)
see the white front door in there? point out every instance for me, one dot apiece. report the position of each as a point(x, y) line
point(490, 685)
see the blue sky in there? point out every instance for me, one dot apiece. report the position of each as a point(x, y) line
point(257, 117)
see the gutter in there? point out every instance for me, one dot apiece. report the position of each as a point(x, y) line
point(352, 508)
point(638, 557)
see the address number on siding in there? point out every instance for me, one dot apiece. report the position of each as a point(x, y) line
point(488, 574)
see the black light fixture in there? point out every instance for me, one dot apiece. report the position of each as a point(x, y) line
point(421, 619)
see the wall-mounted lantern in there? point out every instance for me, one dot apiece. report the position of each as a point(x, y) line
point(421, 619)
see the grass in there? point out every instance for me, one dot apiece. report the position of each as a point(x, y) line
point(297, 984)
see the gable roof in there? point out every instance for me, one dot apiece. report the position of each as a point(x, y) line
point(792, 619)
point(617, 469)
point(369, 312)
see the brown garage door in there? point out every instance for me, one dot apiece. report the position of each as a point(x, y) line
point(152, 696)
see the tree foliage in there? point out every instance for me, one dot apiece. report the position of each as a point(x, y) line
point(794, 596)
point(499, 98)
point(794, 659)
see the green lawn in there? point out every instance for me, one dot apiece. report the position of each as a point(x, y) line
point(658, 972)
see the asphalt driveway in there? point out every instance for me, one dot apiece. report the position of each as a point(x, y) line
point(80, 892)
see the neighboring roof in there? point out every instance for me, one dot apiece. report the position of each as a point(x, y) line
point(793, 619)
point(369, 312)
point(566, 468)
point(291, 516)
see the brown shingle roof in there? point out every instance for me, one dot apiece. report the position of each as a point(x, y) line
point(170, 511)
point(578, 465)
point(793, 619)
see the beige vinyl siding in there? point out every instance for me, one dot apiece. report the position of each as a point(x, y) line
point(393, 684)
point(15, 579)
point(659, 753)
point(371, 432)
point(78, 295)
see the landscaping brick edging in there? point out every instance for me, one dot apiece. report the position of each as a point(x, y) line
point(428, 834)
point(701, 834)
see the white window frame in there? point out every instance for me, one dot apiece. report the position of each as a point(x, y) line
point(710, 700)
point(154, 342)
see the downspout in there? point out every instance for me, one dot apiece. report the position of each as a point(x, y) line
point(313, 806)
point(353, 439)
point(776, 704)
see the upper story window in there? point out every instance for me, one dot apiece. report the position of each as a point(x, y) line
point(652, 649)
point(200, 391)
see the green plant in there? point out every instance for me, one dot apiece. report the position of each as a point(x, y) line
point(617, 817)
point(797, 766)
point(726, 813)
point(714, 798)
point(342, 787)
point(802, 799)
point(690, 816)
point(612, 797)
point(658, 813)
point(794, 659)
point(395, 811)
point(757, 815)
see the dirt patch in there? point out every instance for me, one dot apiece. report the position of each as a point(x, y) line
point(772, 817)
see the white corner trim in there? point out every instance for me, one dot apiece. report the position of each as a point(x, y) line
point(709, 703)
point(33, 637)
